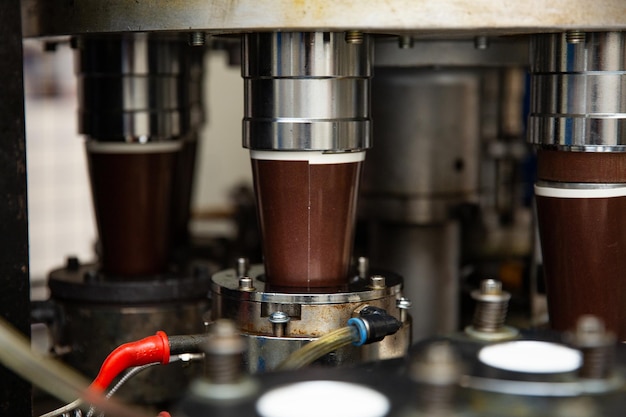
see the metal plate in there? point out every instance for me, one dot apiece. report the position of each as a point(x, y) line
point(62, 17)
point(225, 284)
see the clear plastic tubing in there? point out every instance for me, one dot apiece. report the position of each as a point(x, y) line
point(320, 347)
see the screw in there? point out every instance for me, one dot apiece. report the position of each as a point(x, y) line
point(197, 39)
point(405, 42)
point(245, 284)
point(354, 37)
point(363, 267)
point(491, 306)
point(223, 350)
point(403, 305)
point(597, 346)
point(481, 42)
point(279, 322)
point(575, 36)
point(377, 282)
point(243, 266)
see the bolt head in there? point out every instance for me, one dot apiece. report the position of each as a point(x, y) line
point(279, 317)
point(481, 42)
point(243, 266)
point(490, 286)
point(403, 303)
point(590, 332)
point(377, 282)
point(246, 284)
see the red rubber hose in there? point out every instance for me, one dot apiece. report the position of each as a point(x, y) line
point(142, 352)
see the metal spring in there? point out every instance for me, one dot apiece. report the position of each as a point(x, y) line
point(490, 316)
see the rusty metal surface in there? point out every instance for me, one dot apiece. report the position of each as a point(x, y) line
point(62, 17)
point(311, 316)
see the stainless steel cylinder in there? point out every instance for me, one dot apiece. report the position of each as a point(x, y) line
point(427, 256)
point(306, 91)
point(424, 162)
point(578, 91)
point(427, 144)
point(132, 87)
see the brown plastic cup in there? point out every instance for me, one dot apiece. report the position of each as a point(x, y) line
point(307, 209)
point(132, 191)
point(582, 229)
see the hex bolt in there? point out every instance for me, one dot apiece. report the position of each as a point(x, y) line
point(363, 267)
point(481, 42)
point(377, 282)
point(491, 306)
point(246, 284)
point(197, 39)
point(403, 304)
point(354, 37)
point(597, 346)
point(279, 322)
point(405, 42)
point(223, 351)
point(575, 36)
point(243, 266)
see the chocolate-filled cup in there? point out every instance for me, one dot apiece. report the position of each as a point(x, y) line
point(307, 208)
point(132, 187)
point(583, 241)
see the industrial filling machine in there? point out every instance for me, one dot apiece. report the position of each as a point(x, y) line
point(420, 168)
